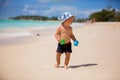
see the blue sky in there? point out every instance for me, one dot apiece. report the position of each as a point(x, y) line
point(79, 8)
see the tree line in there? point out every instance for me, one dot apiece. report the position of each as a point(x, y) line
point(106, 15)
point(103, 15)
point(33, 17)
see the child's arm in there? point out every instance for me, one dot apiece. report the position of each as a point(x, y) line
point(72, 35)
point(57, 34)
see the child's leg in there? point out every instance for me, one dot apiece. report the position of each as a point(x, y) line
point(67, 59)
point(58, 57)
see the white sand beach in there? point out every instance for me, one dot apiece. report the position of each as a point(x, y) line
point(33, 58)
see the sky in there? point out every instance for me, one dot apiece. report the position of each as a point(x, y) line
point(79, 8)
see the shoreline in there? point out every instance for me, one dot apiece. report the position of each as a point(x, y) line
point(10, 35)
point(34, 33)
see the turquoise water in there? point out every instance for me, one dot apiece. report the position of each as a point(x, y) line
point(27, 23)
point(16, 28)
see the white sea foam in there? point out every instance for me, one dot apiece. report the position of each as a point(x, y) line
point(15, 34)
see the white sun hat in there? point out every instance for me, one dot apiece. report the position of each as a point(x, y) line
point(65, 16)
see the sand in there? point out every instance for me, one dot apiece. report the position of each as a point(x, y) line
point(33, 58)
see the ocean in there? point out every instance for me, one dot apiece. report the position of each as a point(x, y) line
point(14, 28)
point(27, 24)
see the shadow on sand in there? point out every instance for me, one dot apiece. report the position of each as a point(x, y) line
point(83, 65)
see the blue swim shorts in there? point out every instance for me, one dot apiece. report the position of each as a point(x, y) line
point(64, 48)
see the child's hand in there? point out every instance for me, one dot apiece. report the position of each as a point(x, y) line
point(58, 40)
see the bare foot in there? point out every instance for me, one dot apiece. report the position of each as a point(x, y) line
point(66, 67)
point(56, 66)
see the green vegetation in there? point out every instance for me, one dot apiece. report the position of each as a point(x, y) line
point(106, 15)
point(23, 17)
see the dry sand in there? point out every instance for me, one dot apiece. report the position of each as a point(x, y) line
point(32, 58)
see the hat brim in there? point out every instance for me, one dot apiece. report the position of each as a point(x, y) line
point(68, 18)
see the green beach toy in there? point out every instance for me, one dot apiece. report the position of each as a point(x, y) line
point(62, 41)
